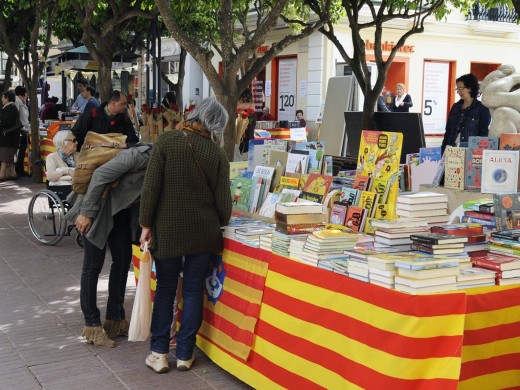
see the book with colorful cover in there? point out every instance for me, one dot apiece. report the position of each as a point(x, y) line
point(511, 141)
point(278, 160)
point(237, 168)
point(500, 171)
point(260, 188)
point(316, 187)
point(432, 153)
point(287, 182)
point(459, 229)
point(483, 142)
point(378, 159)
point(368, 200)
point(240, 192)
point(361, 182)
point(349, 195)
point(473, 169)
point(355, 218)
point(338, 213)
point(316, 151)
point(454, 167)
point(297, 161)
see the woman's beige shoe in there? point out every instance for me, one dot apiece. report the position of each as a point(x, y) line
point(96, 335)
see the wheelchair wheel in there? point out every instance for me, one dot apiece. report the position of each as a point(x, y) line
point(46, 216)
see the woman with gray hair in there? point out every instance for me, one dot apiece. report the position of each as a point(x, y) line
point(185, 200)
point(60, 165)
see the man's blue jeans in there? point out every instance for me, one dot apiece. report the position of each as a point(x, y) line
point(119, 242)
point(196, 268)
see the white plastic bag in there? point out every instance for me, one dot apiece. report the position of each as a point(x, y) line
point(142, 309)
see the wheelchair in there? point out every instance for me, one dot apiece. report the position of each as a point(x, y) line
point(46, 215)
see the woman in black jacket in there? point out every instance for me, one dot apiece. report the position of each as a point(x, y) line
point(468, 117)
point(401, 101)
point(9, 138)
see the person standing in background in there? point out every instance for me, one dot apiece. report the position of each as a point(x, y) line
point(9, 141)
point(468, 117)
point(299, 117)
point(185, 200)
point(90, 95)
point(381, 101)
point(266, 116)
point(79, 105)
point(20, 103)
point(402, 101)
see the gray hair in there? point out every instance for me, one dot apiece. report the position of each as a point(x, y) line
point(212, 115)
point(61, 137)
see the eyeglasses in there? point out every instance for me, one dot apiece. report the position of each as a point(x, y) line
point(460, 88)
point(74, 140)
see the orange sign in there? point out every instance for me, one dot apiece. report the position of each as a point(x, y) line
point(388, 46)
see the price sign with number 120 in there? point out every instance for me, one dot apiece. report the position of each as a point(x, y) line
point(287, 89)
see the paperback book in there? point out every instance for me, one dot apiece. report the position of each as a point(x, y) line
point(500, 171)
point(507, 211)
point(454, 167)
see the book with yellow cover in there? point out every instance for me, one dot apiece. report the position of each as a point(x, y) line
point(316, 187)
point(378, 158)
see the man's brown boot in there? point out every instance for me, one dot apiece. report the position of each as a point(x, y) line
point(96, 335)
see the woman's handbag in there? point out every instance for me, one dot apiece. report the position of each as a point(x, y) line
point(96, 150)
point(17, 125)
point(142, 310)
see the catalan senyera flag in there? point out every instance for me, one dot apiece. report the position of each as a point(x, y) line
point(46, 147)
point(491, 348)
point(232, 309)
point(320, 330)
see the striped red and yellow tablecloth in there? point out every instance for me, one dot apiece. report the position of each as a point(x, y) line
point(317, 329)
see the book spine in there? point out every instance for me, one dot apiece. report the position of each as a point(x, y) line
point(504, 250)
point(456, 232)
point(498, 214)
point(486, 264)
point(483, 222)
point(478, 214)
point(483, 208)
point(297, 228)
point(423, 240)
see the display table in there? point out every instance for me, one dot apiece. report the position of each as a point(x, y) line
point(317, 329)
point(282, 133)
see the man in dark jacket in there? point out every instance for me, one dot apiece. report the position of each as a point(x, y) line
point(111, 117)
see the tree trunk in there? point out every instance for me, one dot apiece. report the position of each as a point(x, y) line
point(105, 78)
point(368, 112)
point(7, 74)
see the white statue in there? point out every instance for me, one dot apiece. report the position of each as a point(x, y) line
point(501, 94)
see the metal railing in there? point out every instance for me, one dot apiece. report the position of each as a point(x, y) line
point(496, 14)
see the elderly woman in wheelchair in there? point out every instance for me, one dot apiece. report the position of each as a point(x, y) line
point(60, 165)
point(48, 207)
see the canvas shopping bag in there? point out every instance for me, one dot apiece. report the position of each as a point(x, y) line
point(97, 149)
point(142, 309)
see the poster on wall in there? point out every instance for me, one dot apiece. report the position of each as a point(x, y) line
point(435, 97)
point(287, 89)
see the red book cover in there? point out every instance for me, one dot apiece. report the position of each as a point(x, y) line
point(354, 219)
point(316, 187)
point(459, 229)
point(482, 215)
point(496, 261)
point(477, 238)
point(361, 183)
point(297, 228)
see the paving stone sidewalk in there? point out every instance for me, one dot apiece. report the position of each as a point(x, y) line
point(41, 322)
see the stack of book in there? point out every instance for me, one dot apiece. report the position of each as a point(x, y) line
point(426, 274)
point(299, 217)
point(477, 240)
point(328, 245)
point(250, 236)
point(296, 243)
point(481, 211)
point(375, 264)
point(438, 243)
point(240, 223)
point(428, 205)
point(266, 242)
point(396, 233)
point(475, 277)
point(507, 267)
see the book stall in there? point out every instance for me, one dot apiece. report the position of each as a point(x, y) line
point(351, 281)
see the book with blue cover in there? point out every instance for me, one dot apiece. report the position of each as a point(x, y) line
point(430, 154)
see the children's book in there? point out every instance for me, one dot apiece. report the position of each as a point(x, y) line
point(255, 154)
point(240, 192)
point(499, 171)
point(349, 195)
point(507, 211)
point(379, 157)
point(297, 161)
point(510, 142)
point(338, 214)
point(316, 151)
point(262, 177)
point(454, 160)
point(483, 142)
point(316, 187)
point(432, 154)
point(278, 160)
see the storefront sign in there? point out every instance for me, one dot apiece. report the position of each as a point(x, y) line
point(435, 98)
point(388, 46)
point(287, 89)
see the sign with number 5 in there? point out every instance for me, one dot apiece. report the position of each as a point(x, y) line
point(435, 98)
